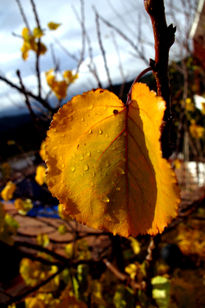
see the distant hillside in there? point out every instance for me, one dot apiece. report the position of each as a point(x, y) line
point(22, 131)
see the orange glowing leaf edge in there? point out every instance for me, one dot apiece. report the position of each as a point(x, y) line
point(104, 162)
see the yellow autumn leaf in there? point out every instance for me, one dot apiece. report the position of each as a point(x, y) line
point(203, 108)
point(197, 131)
point(23, 206)
point(189, 105)
point(105, 164)
point(135, 245)
point(25, 50)
point(42, 151)
point(40, 175)
point(37, 32)
point(131, 269)
point(58, 87)
point(53, 25)
point(25, 34)
point(177, 163)
point(69, 76)
point(43, 240)
point(8, 190)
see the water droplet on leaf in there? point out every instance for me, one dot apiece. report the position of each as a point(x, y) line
point(100, 131)
point(86, 168)
point(106, 199)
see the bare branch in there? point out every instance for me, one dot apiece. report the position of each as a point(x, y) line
point(102, 48)
point(27, 101)
point(23, 15)
point(126, 38)
point(42, 101)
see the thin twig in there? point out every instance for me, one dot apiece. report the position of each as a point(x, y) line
point(37, 62)
point(23, 15)
point(83, 33)
point(102, 48)
point(125, 37)
point(27, 101)
point(122, 276)
point(42, 249)
point(42, 101)
point(19, 297)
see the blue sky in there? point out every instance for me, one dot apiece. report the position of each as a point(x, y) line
point(125, 15)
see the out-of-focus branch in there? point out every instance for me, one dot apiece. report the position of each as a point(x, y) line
point(83, 31)
point(42, 101)
point(23, 15)
point(102, 48)
point(123, 277)
point(125, 37)
point(27, 101)
point(19, 297)
point(37, 62)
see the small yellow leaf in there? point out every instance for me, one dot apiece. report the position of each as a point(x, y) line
point(42, 151)
point(62, 229)
point(25, 50)
point(37, 32)
point(8, 190)
point(196, 131)
point(40, 175)
point(43, 240)
point(203, 108)
point(105, 163)
point(53, 25)
point(23, 206)
point(25, 34)
point(58, 87)
point(177, 163)
point(135, 245)
point(69, 76)
point(131, 269)
point(69, 250)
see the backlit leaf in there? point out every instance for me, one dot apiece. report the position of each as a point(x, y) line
point(53, 25)
point(40, 175)
point(105, 163)
point(8, 190)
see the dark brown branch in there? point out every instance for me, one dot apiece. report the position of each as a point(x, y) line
point(43, 102)
point(81, 20)
point(27, 102)
point(164, 38)
point(123, 277)
point(35, 14)
point(42, 249)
